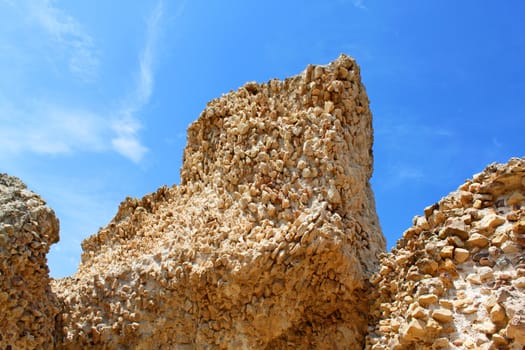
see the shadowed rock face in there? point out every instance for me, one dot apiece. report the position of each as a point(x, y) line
point(27, 306)
point(267, 243)
point(456, 280)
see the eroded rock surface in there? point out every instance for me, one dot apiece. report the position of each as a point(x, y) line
point(267, 243)
point(272, 242)
point(27, 306)
point(456, 280)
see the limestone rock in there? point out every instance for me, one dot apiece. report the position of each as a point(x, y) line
point(272, 242)
point(476, 293)
point(461, 255)
point(516, 329)
point(414, 331)
point(27, 305)
point(268, 243)
point(442, 315)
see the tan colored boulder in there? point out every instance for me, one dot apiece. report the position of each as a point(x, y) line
point(268, 242)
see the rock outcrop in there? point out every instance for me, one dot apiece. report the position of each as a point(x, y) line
point(27, 306)
point(456, 280)
point(268, 243)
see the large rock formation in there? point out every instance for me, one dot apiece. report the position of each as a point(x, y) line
point(268, 243)
point(272, 242)
point(456, 280)
point(27, 306)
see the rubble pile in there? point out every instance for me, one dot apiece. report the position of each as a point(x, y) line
point(456, 279)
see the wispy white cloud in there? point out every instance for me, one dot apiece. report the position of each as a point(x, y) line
point(147, 57)
point(126, 141)
point(56, 130)
point(359, 4)
point(45, 125)
point(68, 35)
point(126, 126)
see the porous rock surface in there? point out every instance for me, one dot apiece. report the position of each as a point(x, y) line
point(268, 243)
point(456, 280)
point(27, 306)
point(272, 242)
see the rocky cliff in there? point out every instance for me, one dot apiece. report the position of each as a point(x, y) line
point(268, 243)
point(456, 280)
point(27, 306)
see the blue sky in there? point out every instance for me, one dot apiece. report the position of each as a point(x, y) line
point(96, 96)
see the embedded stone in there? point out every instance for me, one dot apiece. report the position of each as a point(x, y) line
point(419, 312)
point(516, 329)
point(415, 330)
point(478, 240)
point(519, 282)
point(440, 343)
point(447, 304)
point(427, 299)
point(447, 251)
point(486, 327)
point(455, 227)
point(509, 247)
point(485, 273)
point(489, 223)
point(497, 313)
point(499, 340)
point(519, 227)
point(499, 238)
point(515, 198)
point(461, 255)
point(421, 222)
point(442, 315)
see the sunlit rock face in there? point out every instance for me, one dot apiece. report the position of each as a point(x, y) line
point(27, 306)
point(271, 241)
point(456, 280)
point(268, 243)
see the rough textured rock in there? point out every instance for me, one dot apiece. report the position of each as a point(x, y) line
point(27, 306)
point(272, 242)
point(268, 242)
point(456, 278)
